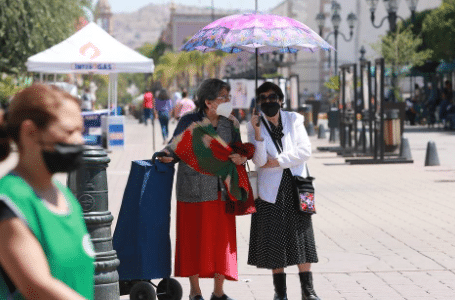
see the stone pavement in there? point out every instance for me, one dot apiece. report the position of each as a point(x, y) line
point(383, 232)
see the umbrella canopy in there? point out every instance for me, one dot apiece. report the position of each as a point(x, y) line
point(256, 33)
point(446, 67)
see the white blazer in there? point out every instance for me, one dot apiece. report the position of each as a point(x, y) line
point(296, 151)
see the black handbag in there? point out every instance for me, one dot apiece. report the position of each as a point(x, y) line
point(303, 188)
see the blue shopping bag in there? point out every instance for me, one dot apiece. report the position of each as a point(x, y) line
point(141, 237)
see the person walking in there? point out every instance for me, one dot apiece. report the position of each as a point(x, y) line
point(206, 244)
point(148, 105)
point(280, 235)
point(183, 106)
point(163, 107)
point(87, 101)
point(45, 249)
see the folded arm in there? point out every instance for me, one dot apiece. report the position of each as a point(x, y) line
point(301, 146)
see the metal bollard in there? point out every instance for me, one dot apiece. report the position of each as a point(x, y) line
point(89, 185)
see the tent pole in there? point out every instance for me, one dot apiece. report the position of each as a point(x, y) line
point(41, 77)
point(116, 93)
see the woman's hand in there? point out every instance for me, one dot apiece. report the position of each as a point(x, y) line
point(237, 159)
point(166, 159)
point(271, 163)
point(256, 123)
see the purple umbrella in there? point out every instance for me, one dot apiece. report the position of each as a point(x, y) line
point(256, 33)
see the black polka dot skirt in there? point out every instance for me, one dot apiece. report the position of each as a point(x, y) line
point(280, 236)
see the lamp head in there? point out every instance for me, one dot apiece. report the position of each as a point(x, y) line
point(412, 4)
point(391, 5)
point(336, 7)
point(320, 19)
point(372, 4)
point(352, 18)
point(336, 20)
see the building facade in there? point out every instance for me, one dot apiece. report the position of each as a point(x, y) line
point(103, 15)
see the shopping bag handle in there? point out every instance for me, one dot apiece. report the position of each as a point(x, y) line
point(158, 154)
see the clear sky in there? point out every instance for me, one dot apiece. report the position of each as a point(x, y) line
point(133, 5)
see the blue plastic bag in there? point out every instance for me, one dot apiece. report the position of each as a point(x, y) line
point(141, 237)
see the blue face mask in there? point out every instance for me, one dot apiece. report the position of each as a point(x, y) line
point(64, 158)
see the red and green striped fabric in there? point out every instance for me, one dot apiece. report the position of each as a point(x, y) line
point(202, 149)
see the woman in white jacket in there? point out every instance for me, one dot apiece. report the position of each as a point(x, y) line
point(280, 236)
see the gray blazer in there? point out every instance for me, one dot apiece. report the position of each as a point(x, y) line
point(193, 186)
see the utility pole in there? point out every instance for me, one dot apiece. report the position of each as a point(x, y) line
point(213, 12)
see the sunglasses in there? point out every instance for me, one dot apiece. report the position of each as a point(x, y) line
point(271, 97)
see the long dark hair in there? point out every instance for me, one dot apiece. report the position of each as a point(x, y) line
point(209, 90)
point(163, 95)
point(39, 103)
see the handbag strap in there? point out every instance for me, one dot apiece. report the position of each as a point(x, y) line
point(271, 136)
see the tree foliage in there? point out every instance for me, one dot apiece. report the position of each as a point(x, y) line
point(416, 27)
point(401, 48)
point(439, 29)
point(186, 69)
point(30, 26)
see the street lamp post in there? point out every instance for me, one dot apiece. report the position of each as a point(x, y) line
point(336, 21)
point(392, 8)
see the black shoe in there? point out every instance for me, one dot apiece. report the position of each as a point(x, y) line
point(197, 297)
point(278, 297)
point(306, 282)
point(224, 297)
point(279, 282)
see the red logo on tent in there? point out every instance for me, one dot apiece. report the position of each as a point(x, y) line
point(88, 49)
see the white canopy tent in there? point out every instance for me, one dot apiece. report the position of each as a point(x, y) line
point(91, 50)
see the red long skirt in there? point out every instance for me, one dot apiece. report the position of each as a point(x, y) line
point(206, 240)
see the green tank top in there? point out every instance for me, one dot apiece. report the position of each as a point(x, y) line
point(64, 237)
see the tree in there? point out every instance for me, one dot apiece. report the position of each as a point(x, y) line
point(439, 28)
point(416, 26)
point(400, 48)
point(29, 26)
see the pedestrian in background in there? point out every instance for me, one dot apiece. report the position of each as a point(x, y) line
point(148, 105)
point(206, 245)
point(183, 106)
point(280, 235)
point(45, 249)
point(163, 107)
point(447, 96)
point(87, 101)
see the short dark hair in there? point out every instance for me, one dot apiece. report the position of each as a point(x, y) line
point(267, 86)
point(184, 94)
point(163, 95)
point(209, 90)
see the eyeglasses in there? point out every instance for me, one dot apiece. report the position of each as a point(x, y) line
point(272, 97)
point(227, 97)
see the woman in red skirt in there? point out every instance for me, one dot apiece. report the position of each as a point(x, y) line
point(206, 235)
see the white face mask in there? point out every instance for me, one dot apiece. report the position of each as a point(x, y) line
point(224, 109)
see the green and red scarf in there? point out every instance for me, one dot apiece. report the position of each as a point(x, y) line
point(200, 146)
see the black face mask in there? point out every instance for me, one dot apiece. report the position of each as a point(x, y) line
point(270, 109)
point(65, 158)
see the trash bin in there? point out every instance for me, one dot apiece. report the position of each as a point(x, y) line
point(392, 130)
point(306, 111)
point(333, 117)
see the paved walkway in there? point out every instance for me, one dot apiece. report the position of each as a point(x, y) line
point(383, 232)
